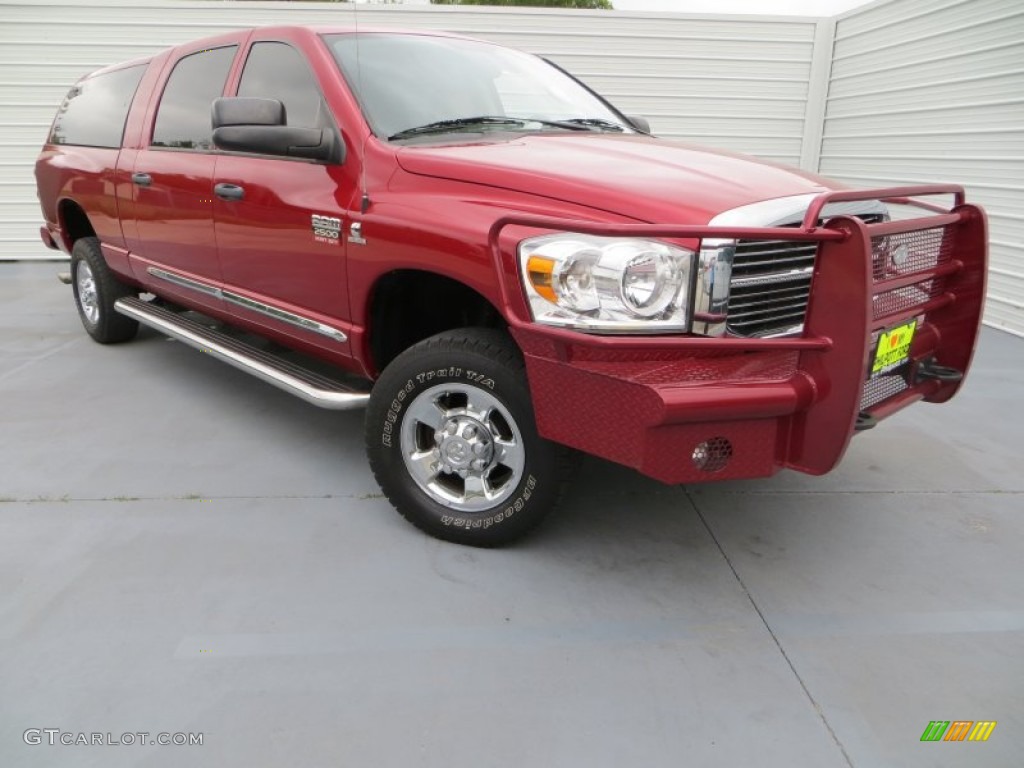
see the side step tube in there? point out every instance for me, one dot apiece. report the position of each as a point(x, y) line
point(310, 386)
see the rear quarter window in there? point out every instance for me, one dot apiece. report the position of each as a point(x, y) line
point(94, 111)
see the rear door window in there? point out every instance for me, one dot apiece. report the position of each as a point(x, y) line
point(183, 117)
point(94, 111)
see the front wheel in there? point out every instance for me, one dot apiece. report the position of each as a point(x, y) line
point(452, 441)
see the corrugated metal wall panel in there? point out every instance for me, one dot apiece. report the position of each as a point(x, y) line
point(739, 83)
point(924, 91)
point(919, 90)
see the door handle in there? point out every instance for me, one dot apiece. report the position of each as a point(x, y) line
point(142, 179)
point(229, 191)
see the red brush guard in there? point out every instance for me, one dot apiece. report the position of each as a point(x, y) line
point(692, 408)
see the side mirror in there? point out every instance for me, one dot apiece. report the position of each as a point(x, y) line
point(246, 124)
point(640, 123)
point(243, 110)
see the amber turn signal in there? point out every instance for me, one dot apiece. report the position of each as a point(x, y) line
point(540, 270)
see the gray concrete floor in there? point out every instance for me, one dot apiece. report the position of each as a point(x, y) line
point(186, 549)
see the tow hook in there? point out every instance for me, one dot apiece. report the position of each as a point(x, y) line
point(865, 421)
point(929, 369)
point(64, 277)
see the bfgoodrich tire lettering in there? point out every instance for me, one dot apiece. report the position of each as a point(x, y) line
point(96, 289)
point(452, 441)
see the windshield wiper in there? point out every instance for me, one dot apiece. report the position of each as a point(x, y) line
point(443, 126)
point(568, 125)
point(595, 122)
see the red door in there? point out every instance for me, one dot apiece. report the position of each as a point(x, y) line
point(172, 183)
point(281, 245)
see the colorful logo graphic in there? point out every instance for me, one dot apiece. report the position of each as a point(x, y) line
point(958, 730)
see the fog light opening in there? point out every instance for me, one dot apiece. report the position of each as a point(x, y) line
point(712, 455)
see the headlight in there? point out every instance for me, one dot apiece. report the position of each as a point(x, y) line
point(611, 284)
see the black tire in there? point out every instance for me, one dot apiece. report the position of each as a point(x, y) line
point(96, 289)
point(463, 374)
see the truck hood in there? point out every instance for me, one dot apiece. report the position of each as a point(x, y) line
point(647, 179)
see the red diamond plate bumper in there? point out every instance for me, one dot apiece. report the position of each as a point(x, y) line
point(655, 403)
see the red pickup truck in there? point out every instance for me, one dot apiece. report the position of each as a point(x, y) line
point(500, 265)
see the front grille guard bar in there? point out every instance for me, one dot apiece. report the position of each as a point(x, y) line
point(516, 311)
point(825, 394)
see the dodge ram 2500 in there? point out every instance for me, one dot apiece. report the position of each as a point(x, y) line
point(504, 266)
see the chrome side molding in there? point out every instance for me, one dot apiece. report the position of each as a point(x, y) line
point(283, 315)
point(301, 382)
point(184, 282)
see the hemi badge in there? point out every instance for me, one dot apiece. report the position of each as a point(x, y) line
point(355, 233)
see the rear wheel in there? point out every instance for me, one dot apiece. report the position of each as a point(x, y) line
point(96, 289)
point(452, 441)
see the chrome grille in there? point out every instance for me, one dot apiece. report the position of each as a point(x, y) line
point(770, 284)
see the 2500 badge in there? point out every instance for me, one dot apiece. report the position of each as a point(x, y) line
point(326, 229)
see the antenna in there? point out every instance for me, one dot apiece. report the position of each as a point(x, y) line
point(364, 203)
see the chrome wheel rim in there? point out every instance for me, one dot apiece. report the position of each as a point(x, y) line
point(87, 298)
point(462, 447)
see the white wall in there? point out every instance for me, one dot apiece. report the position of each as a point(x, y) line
point(738, 83)
point(914, 90)
point(932, 91)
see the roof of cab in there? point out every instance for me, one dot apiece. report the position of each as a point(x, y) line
point(302, 29)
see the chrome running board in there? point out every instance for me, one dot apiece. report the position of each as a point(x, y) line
point(301, 382)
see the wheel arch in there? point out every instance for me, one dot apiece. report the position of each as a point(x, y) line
point(73, 222)
point(408, 305)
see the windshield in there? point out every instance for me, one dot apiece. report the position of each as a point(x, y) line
point(408, 83)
